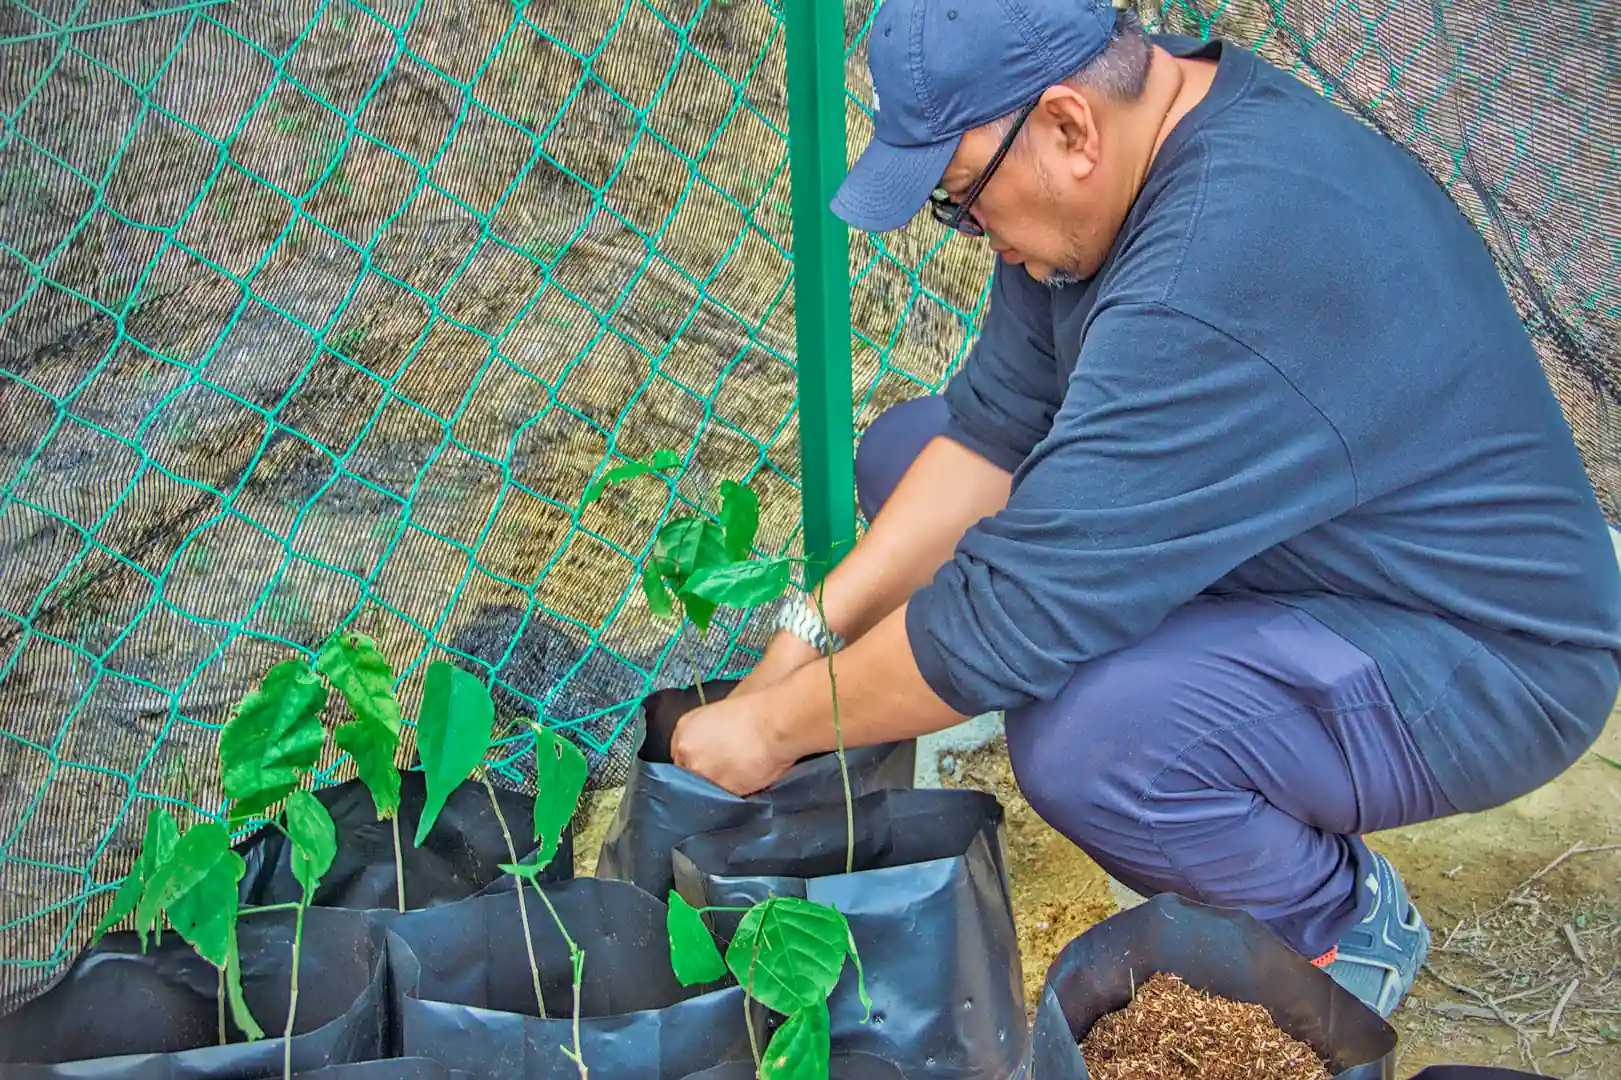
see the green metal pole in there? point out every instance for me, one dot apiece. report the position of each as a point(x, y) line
point(815, 30)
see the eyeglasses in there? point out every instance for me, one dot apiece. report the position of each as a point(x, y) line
point(955, 215)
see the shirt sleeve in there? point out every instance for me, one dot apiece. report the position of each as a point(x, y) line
point(1003, 399)
point(1178, 454)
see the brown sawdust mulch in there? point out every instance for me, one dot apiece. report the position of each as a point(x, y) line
point(1171, 1031)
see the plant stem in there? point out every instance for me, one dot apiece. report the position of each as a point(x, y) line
point(748, 1018)
point(838, 740)
point(399, 865)
point(577, 962)
point(697, 673)
point(292, 998)
point(222, 1006)
point(290, 905)
point(523, 908)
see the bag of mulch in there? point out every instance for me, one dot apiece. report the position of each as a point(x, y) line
point(664, 804)
point(464, 992)
point(929, 907)
point(1219, 950)
point(120, 1015)
point(460, 856)
point(840, 1067)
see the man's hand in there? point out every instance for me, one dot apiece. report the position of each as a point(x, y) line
point(728, 743)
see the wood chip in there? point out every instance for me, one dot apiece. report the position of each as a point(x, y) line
point(1171, 1031)
point(1559, 1009)
point(1575, 944)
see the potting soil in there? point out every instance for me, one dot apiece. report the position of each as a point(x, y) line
point(1172, 1031)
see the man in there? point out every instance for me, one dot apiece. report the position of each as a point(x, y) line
point(1251, 507)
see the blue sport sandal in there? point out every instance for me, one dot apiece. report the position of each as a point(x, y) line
point(1379, 957)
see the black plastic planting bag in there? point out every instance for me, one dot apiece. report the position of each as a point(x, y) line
point(463, 992)
point(1219, 950)
point(840, 1067)
point(118, 1014)
point(664, 804)
point(928, 906)
point(390, 1069)
point(1473, 1072)
point(461, 855)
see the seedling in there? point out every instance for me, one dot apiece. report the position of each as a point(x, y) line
point(787, 954)
point(351, 663)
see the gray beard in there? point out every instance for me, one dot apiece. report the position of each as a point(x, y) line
point(1061, 279)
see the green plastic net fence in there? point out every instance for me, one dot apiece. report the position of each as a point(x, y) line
point(324, 312)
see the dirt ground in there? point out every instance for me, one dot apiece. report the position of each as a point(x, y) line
point(1512, 895)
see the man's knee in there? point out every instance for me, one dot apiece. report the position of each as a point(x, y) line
point(890, 444)
point(1074, 762)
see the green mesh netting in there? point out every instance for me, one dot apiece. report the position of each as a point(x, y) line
point(325, 311)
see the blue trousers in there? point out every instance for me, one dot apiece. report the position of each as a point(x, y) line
point(1234, 756)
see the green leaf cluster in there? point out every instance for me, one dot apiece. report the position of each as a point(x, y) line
point(788, 954)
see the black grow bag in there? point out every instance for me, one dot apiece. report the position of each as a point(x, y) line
point(664, 804)
point(928, 906)
point(118, 1014)
point(1219, 950)
point(463, 993)
point(840, 1067)
point(459, 857)
point(390, 1069)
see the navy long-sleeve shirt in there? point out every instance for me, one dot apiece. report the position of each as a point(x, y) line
point(1297, 374)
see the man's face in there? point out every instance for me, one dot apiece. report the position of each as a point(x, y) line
point(1051, 205)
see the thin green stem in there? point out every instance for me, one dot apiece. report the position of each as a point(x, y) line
point(577, 962)
point(399, 866)
point(523, 907)
point(697, 673)
point(748, 995)
point(292, 999)
point(290, 905)
point(838, 738)
point(222, 1006)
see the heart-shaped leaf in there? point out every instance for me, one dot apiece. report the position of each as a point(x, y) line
point(740, 584)
point(699, 610)
point(274, 738)
point(205, 915)
point(453, 735)
point(739, 517)
point(789, 952)
point(353, 664)
point(662, 460)
point(800, 1048)
point(192, 859)
point(560, 775)
point(693, 955)
point(161, 834)
point(684, 546)
point(315, 840)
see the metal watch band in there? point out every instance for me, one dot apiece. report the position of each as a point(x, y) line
point(798, 616)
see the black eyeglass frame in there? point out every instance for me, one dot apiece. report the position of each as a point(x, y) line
point(955, 215)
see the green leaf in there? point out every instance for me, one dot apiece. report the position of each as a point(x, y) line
point(740, 584)
point(658, 597)
point(373, 746)
point(861, 975)
point(273, 739)
point(453, 735)
point(739, 516)
point(156, 846)
point(233, 989)
point(560, 774)
point(192, 859)
point(662, 460)
point(797, 950)
point(693, 956)
point(353, 664)
point(1610, 761)
point(315, 840)
point(685, 545)
point(699, 610)
point(800, 1048)
point(205, 916)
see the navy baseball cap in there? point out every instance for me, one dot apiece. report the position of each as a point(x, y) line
point(943, 67)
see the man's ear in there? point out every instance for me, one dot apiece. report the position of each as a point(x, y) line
point(1072, 128)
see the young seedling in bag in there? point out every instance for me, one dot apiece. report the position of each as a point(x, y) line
point(353, 665)
point(266, 750)
point(560, 774)
point(702, 564)
point(788, 955)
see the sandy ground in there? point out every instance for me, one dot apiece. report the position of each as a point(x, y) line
point(1503, 958)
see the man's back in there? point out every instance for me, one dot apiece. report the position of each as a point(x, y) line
point(1298, 374)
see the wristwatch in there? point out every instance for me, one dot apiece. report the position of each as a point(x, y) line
point(799, 617)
